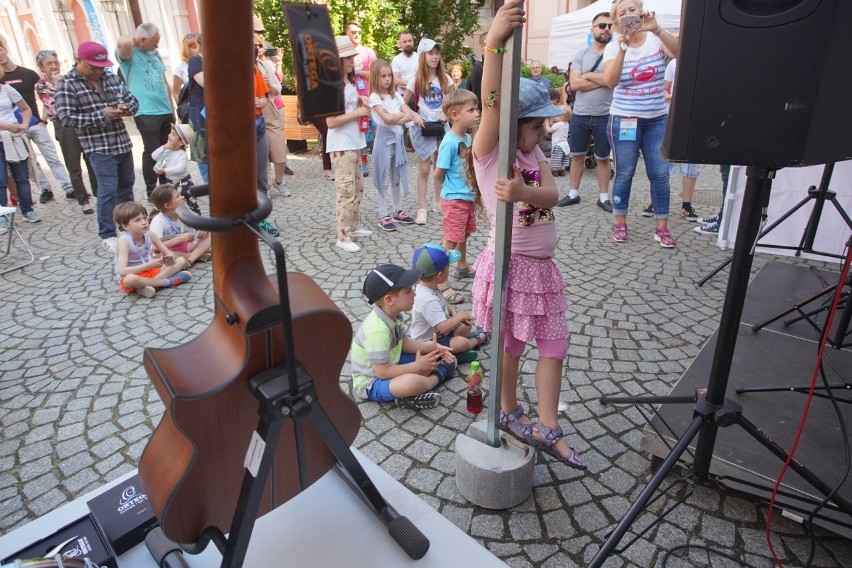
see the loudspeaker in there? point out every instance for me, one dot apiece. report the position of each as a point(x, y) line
point(762, 82)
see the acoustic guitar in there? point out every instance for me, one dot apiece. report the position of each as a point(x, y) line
point(192, 468)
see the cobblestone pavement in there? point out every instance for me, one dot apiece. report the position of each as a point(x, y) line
point(77, 408)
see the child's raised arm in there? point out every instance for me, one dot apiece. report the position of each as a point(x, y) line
point(509, 17)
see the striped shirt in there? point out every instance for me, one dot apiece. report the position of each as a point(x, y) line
point(377, 341)
point(639, 92)
point(82, 107)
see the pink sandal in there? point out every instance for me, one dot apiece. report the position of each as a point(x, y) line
point(619, 235)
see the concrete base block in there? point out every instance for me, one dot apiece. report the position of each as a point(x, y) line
point(493, 478)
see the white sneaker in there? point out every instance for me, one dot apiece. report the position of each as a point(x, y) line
point(282, 188)
point(348, 246)
point(420, 218)
point(361, 233)
point(147, 291)
point(109, 244)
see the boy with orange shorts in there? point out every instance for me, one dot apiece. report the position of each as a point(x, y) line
point(137, 266)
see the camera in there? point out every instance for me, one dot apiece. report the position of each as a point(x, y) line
point(271, 52)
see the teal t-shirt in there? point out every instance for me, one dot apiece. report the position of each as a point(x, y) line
point(455, 178)
point(144, 75)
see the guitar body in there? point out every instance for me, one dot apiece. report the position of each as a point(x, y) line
point(192, 468)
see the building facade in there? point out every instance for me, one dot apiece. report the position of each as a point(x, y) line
point(60, 25)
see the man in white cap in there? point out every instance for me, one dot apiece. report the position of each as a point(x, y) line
point(94, 101)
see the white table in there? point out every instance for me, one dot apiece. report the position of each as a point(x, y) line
point(327, 525)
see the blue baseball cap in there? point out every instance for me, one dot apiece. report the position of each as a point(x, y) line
point(534, 101)
point(431, 259)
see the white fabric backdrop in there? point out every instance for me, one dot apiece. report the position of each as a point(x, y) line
point(569, 33)
point(789, 187)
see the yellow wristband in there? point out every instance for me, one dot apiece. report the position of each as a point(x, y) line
point(490, 49)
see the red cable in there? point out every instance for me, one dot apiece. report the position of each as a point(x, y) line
point(823, 340)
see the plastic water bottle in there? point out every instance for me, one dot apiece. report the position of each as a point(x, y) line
point(364, 124)
point(474, 390)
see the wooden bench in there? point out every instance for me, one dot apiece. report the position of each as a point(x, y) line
point(292, 129)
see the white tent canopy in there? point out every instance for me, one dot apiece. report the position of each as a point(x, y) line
point(569, 33)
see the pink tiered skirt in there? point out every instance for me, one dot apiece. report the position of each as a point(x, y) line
point(534, 299)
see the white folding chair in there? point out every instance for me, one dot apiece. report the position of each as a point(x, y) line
point(9, 213)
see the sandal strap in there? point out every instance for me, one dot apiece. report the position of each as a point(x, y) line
point(506, 417)
point(551, 435)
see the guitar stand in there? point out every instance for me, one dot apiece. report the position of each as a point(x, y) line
point(711, 409)
point(287, 392)
point(820, 195)
point(842, 331)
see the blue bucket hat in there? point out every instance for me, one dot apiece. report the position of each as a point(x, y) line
point(534, 101)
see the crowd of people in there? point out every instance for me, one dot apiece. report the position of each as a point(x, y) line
point(414, 105)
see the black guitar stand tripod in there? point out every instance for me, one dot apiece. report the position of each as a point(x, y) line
point(819, 195)
point(287, 392)
point(711, 409)
point(841, 332)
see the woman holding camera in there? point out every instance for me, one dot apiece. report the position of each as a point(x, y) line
point(634, 65)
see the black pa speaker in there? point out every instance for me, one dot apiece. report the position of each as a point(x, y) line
point(762, 82)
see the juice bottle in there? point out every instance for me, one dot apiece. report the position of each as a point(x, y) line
point(474, 390)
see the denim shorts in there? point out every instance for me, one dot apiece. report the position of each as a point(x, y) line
point(690, 171)
point(585, 129)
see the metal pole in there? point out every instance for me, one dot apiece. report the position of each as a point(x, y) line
point(503, 235)
point(755, 203)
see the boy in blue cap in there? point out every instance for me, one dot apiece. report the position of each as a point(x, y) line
point(432, 315)
point(386, 365)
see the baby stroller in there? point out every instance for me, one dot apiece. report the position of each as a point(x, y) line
point(591, 162)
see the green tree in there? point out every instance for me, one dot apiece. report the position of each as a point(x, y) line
point(445, 21)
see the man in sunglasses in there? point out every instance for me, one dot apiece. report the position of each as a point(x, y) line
point(144, 73)
point(591, 113)
point(23, 80)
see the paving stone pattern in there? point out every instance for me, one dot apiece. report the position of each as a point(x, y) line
point(77, 408)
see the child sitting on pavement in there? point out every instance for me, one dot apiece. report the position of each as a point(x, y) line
point(386, 365)
point(186, 242)
point(173, 162)
point(432, 315)
point(138, 268)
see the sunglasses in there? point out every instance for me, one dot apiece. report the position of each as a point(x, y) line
point(45, 53)
point(190, 36)
point(604, 26)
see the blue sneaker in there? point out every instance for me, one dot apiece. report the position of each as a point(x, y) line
point(4, 222)
point(386, 224)
point(269, 228)
point(32, 217)
point(403, 217)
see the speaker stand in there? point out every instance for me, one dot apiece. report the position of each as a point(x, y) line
point(819, 195)
point(711, 409)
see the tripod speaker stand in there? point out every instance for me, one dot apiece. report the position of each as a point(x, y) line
point(838, 341)
point(712, 410)
point(819, 196)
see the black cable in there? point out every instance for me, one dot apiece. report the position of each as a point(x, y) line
point(708, 550)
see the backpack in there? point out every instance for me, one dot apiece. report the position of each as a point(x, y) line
point(183, 103)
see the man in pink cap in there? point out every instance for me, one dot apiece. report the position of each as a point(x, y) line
point(93, 100)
